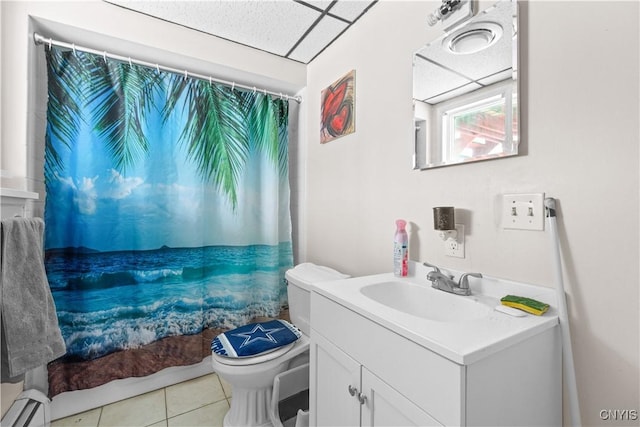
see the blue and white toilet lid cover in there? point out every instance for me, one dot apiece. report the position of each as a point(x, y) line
point(255, 338)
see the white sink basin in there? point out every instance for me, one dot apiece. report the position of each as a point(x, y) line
point(463, 329)
point(426, 302)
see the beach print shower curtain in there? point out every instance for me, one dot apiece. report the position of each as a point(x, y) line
point(167, 215)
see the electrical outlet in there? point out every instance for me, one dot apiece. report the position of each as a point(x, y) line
point(523, 211)
point(455, 247)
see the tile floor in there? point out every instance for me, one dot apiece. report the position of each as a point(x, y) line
point(203, 401)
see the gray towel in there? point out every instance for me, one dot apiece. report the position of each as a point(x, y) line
point(30, 333)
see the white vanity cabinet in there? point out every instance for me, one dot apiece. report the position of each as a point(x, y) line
point(403, 383)
point(348, 394)
point(334, 384)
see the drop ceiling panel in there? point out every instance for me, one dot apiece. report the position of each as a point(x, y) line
point(319, 37)
point(480, 64)
point(453, 93)
point(498, 77)
point(252, 23)
point(320, 4)
point(349, 10)
point(300, 28)
point(431, 80)
point(486, 63)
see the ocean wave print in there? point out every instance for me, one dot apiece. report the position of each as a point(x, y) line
point(120, 301)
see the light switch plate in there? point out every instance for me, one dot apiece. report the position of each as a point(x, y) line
point(523, 211)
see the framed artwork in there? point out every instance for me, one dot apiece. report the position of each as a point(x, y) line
point(338, 108)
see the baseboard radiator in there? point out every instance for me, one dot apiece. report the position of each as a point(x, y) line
point(30, 409)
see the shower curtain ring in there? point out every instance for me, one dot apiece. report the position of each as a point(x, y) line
point(50, 42)
point(157, 68)
point(185, 75)
point(104, 56)
point(254, 90)
point(73, 46)
point(129, 61)
point(233, 86)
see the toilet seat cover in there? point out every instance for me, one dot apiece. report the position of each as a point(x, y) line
point(255, 339)
point(253, 360)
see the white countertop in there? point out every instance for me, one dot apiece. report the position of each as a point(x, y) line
point(463, 342)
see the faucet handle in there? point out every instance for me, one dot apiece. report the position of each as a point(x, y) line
point(463, 283)
point(435, 267)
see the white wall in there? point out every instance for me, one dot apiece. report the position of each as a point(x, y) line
point(580, 96)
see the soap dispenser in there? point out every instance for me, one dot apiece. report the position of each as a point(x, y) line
point(400, 250)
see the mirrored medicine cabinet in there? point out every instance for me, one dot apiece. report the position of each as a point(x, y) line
point(465, 91)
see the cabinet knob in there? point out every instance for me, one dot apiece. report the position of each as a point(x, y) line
point(352, 390)
point(362, 398)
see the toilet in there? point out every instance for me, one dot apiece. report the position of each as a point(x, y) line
point(252, 378)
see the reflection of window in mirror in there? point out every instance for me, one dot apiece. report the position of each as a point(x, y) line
point(474, 127)
point(453, 80)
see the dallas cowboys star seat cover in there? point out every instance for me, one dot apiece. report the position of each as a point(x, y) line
point(255, 338)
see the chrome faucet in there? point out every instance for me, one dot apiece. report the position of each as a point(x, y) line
point(435, 267)
point(463, 283)
point(446, 283)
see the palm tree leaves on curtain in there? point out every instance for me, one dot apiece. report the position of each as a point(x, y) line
point(221, 129)
point(283, 135)
point(63, 110)
point(215, 133)
point(268, 120)
point(262, 116)
point(120, 95)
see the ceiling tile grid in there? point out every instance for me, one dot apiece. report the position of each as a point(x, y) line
point(322, 35)
point(294, 29)
point(441, 74)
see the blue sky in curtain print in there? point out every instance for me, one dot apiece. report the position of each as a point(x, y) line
point(160, 201)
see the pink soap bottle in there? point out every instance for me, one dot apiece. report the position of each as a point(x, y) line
point(401, 249)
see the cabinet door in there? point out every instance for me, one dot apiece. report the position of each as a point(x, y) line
point(334, 378)
point(384, 406)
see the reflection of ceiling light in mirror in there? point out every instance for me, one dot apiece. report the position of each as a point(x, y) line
point(473, 38)
point(479, 140)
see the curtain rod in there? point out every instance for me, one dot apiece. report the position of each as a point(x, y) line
point(39, 39)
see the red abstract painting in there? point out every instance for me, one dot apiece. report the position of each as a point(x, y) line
point(338, 108)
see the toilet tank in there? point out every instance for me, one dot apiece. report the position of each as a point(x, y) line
point(299, 280)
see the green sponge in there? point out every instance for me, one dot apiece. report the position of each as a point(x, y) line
point(527, 304)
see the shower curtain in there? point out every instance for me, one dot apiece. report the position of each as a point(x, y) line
point(167, 215)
